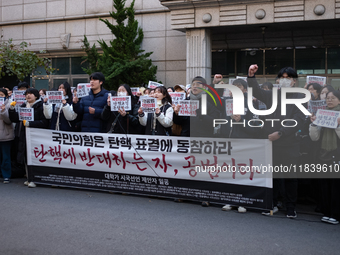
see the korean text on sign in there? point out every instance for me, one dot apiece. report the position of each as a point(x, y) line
point(134, 90)
point(153, 84)
point(83, 89)
point(316, 79)
point(176, 97)
point(55, 97)
point(188, 107)
point(315, 105)
point(26, 114)
point(326, 118)
point(149, 104)
point(120, 102)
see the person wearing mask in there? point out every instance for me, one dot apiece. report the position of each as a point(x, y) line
point(32, 101)
point(286, 148)
point(6, 137)
point(159, 122)
point(61, 116)
point(329, 153)
point(121, 121)
point(90, 107)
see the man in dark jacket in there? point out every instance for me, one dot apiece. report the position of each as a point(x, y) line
point(91, 106)
point(286, 147)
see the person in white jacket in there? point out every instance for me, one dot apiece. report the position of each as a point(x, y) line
point(6, 136)
point(159, 122)
point(61, 116)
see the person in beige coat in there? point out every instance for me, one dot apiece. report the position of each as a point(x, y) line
point(6, 136)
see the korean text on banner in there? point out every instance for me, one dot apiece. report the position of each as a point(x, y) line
point(157, 165)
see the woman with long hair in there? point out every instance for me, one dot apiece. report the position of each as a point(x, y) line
point(61, 116)
point(122, 121)
point(159, 122)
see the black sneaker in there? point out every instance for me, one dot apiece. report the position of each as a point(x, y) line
point(6, 180)
point(268, 213)
point(291, 214)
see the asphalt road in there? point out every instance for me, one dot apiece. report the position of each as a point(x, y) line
point(46, 220)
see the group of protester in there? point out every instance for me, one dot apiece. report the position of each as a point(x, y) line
point(92, 113)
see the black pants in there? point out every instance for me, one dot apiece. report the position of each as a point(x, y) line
point(330, 194)
point(286, 156)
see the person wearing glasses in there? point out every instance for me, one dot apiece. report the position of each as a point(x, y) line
point(329, 154)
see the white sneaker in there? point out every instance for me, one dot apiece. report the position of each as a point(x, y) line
point(26, 183)
point(333, 221)
point(241, 209)
point(226, 208)
point(325, 219)
point(32, 185)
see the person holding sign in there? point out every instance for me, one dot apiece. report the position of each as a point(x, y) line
point(90, 107)
point(325, 90)
point(121, 121)
point(315, 90)
point(159, 122)
point(286, 148)
point(329, 154)
point(32, 101)
point(61, 115)
point(6, 137)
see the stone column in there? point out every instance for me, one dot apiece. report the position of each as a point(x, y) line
point(198, 54)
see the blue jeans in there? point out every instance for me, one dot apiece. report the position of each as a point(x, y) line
point(5, 159)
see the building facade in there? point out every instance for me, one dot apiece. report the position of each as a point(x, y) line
point(187, 37)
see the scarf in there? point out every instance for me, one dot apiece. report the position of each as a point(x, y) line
point(329, 137)
point(196, 97)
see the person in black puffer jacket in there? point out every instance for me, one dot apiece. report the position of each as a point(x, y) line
point(32, 101)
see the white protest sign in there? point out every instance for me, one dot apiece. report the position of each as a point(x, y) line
point(54, 97)
point(188, 107)
point(2, 101)
point(83, 89)
point(26, 114)
point(176, 97)
point(229, 107)
point(19, 96)
point(317, 79)
point(314, 106)
point(149, 104)
point(119, 102)
point(242, 78)
point(153, 84)
point(326, 118)
point(134, 90)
